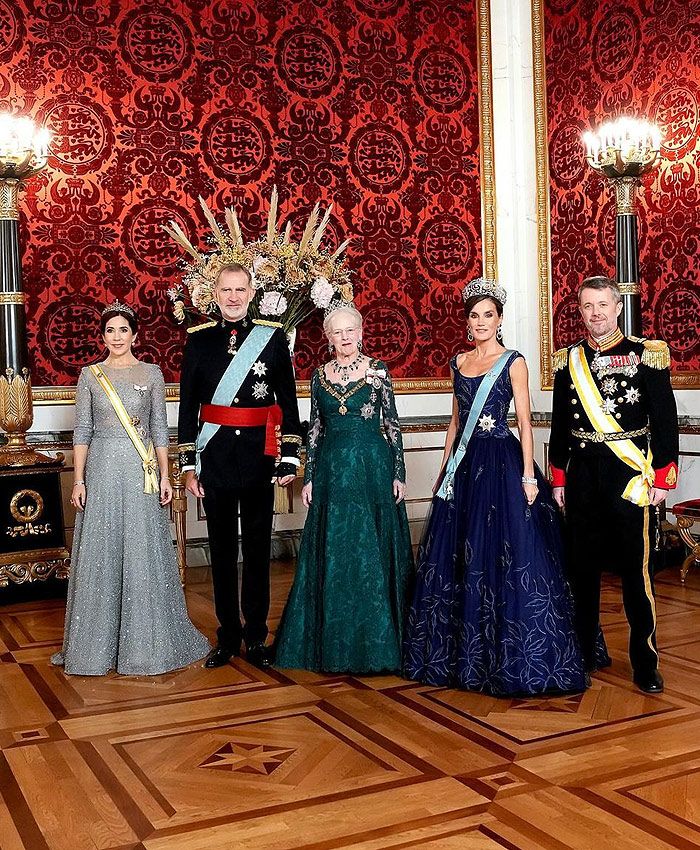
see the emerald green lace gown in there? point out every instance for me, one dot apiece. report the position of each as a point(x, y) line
point(347, 605)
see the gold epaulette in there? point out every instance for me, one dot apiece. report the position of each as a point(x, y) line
point(201, 327)
point(266, 323)
point(560, 359)
point(656, 354)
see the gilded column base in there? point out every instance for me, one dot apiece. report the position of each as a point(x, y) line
point(39, 570)
point(16, 453)
point(16, 417)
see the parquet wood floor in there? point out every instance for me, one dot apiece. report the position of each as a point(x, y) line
point(236, 758)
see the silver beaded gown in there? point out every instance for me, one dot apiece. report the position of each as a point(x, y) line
point(125, 610)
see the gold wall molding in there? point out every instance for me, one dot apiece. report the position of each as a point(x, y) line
point(486, 143)
point(544, 265)
point(680, 380)
point(66, 395)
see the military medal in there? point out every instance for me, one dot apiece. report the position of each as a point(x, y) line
point(232, 341)
point(342, 410)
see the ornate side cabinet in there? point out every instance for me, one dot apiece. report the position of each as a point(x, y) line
point(32, 533)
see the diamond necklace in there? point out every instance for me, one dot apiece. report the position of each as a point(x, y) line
point(344, 371)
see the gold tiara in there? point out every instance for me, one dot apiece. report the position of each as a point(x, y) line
point(118, 307)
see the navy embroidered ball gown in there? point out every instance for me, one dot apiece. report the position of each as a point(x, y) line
point(491, 610)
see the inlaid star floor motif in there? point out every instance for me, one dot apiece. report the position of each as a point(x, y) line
point(248, 758)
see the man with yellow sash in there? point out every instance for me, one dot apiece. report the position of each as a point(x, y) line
point(238, 431)
point(614, 456)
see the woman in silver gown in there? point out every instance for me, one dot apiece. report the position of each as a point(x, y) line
point(125, 610)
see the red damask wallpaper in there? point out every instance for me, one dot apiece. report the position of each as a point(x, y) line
point(369, 103)
point(637, 57)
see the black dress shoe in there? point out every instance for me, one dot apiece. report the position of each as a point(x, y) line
point(219, 656)
point(259, 655)
point(650, 683)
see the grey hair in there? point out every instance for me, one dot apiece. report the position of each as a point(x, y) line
point(349, 309)
point(600, 282)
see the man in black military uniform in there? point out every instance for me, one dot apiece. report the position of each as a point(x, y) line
point(614, 455)
point(257, 441)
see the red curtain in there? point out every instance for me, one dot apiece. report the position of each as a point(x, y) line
point(369, 103)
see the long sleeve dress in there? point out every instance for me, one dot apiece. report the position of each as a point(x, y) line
point(125, 609)
point(347, 607)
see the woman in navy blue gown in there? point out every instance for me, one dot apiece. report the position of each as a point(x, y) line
point(491, 610)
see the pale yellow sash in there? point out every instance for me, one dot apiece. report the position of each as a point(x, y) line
point(147, 455)
point(637, 490)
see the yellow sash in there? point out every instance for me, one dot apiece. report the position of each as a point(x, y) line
point(637, 489)
point(147, 455)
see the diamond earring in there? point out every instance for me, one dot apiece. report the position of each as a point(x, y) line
point(499, 334)
point(470, 338)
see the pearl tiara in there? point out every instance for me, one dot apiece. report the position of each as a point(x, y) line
point(118, 307)
point(485, 286)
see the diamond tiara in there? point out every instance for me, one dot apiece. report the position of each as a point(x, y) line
point(118, 307)
point(485, 286)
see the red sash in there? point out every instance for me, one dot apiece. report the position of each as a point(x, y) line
point(247, 417)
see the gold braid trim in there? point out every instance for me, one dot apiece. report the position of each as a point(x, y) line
point(268, 324)
point(656, 354)
point(201, 327)
point(186, 447)
point(560, 358)
point(637, 338)
point(291, 438)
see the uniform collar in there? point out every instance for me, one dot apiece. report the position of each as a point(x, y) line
point(238, 325)
point(604, 343)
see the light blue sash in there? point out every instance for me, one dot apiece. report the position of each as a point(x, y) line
point(446, 490)
point(231, 381)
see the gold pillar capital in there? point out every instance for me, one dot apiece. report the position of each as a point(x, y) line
point(9, 198)
point(626, 195)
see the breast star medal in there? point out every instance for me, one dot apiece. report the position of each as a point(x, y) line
point(487, 423)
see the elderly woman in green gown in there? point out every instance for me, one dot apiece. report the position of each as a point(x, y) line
point(347, 606)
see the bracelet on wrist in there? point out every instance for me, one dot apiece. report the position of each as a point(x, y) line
point(527, 480)
point(78, 483)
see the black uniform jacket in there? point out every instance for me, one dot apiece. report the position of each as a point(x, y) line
point(632, 375)
point(234, 457)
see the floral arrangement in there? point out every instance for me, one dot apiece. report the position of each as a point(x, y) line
point(291, 278)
